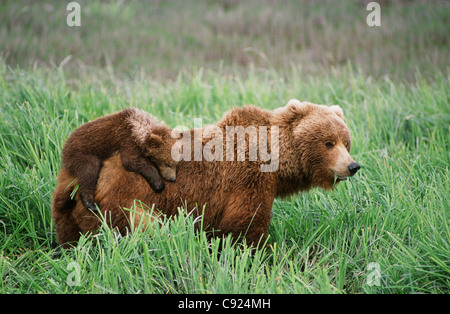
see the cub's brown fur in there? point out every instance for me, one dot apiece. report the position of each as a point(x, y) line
point(140, 139)
point(314, 145)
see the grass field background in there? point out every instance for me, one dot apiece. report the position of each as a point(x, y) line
point(181, 60)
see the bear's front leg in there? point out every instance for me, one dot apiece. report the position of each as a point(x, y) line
point(248, 214)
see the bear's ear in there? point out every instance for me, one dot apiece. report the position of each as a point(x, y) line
point(338, 110)
point(294, 111)
point(154, 141)
point(294, 103)
point(298, 108)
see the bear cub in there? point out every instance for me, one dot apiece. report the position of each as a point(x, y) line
point(144, 144)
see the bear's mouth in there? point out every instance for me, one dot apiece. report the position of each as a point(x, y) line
point(339, 177)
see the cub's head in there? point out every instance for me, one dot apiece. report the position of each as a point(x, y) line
point(158, 148)
point(321, 141)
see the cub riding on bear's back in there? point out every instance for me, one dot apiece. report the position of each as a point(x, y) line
point(141, 140)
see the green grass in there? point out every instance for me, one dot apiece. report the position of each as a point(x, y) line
point(162, 37)
point(394, 212)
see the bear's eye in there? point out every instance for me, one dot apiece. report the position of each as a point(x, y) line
point(329, 145)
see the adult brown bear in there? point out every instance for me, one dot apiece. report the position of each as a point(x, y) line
point(308, 146)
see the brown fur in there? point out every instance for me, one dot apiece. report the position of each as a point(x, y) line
point(237, 195)
point(142, 142)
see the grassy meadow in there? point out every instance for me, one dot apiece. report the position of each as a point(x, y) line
point(386, 230)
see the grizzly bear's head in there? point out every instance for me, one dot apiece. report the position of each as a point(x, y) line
point(320, 142)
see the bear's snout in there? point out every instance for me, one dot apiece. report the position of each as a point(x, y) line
point(353, 168)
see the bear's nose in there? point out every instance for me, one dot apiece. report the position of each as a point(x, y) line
point(353, 168)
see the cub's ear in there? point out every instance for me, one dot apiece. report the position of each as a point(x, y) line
point(338, 110)
point(154, 141)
